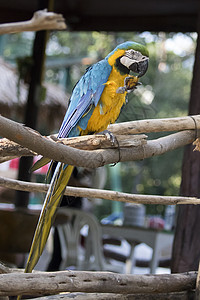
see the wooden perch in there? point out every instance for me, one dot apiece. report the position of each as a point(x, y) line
point(101, 141)
point(91, 159)
point(110, 296)
point(156, 125)
point(4, 269)
point(102, 194)
point(102, 295)
point(12, 284)
point(41, 20)
point(10, 150)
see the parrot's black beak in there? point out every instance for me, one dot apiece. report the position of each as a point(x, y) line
point(140, 66)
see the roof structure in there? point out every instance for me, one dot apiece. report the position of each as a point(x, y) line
point(129, 15)
point(13, 98)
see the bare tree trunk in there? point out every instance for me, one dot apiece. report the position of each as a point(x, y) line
point(186, 250)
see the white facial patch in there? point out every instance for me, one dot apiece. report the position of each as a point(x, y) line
point(126, 61)
point(130, 57)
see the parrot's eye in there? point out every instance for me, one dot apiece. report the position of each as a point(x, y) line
point(135, 61)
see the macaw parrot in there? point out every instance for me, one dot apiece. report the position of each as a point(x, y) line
point(96, 102)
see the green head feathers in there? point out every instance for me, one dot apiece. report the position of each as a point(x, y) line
point(130, 45)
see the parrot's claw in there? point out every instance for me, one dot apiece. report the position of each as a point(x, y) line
point(112, 138)
point(109, 135)
point(130, 84)
point(121, 90)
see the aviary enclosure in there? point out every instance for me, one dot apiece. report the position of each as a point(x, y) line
point(95, 151)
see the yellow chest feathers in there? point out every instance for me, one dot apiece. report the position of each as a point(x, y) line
point(109, 106)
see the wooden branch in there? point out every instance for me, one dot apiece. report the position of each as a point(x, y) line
point(4, 269)
point(156, 125)
point(101, 141)
point(93, 282)
point(9, 149)
point(91, 159)
point(102, 194)
point(41, 20)
point(106, 296)
point(103, 296)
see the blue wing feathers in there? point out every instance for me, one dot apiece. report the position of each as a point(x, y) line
point(87, 91)
point(75, 115)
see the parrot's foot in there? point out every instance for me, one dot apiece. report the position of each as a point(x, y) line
point(130, 84)
point(112, 138)
point(109, 135)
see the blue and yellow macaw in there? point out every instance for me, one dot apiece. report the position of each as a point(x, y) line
point(96, 102)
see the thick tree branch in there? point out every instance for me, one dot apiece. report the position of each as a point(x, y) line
point(102, 194)
point(91, 159)
point(156, 125)
point(12, 284)
point(9, 149)
point(41, 20)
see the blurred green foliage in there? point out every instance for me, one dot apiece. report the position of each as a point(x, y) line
point(164, 93)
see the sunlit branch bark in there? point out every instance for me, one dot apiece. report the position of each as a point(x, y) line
point(156, 125)
point(41, 20)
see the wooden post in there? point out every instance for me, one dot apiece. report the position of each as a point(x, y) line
point(186, 249)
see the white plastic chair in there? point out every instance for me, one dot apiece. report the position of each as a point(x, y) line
point(91, 256)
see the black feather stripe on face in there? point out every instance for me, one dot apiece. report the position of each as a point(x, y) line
point(120, 67)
